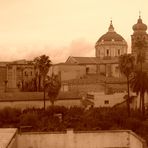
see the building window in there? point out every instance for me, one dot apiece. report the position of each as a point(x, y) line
point(87, 70)
point(99, 53)
point(107, 52)
point(118, 51)
point(25, 73)
point(65, 88)
point(106, 102)
point(117, 69)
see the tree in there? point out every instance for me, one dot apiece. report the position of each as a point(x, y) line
point(139, 84)
point(53, 86)
point(126, 65)
point(42, 64)
point(139, 80)
point(140, 44)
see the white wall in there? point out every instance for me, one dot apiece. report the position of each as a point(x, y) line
point(92, 69)
point(97, 139)
point(136, 141)
point(69, 71)
point(8, 138)
point(100, 98)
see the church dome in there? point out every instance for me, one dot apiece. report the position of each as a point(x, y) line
point(111, 35)
point(110, 45)
point(140, 26)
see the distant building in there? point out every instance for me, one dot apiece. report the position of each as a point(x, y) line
point(108, 48)
point(101, 73)
point(14, 74)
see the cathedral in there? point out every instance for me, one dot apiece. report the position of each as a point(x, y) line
point(104, 67)
point(87, 72)
point(107, 50)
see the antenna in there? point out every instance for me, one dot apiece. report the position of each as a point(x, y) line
point(111, 20)
point(139, 14)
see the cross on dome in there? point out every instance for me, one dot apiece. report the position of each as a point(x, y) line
point(111, 28)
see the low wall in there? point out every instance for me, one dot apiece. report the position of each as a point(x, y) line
point(136, 141)
point(37, 103)
point(100, 98)
point(70, 139)
point(8, 138)
point(32, 99)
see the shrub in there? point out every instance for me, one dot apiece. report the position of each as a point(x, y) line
point(29, 119)
point(10, 117)
point(133, 124)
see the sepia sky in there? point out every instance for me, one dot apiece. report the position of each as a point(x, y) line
point(62, 28)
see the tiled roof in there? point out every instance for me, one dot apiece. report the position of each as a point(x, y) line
point(83, 60)
point(91, 60)
point(3, 63)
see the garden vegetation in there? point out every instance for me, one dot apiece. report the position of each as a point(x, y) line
point(58, 118)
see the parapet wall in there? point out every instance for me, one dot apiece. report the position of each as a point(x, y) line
point(70, 139)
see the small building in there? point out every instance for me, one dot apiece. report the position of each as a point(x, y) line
point(14, 74)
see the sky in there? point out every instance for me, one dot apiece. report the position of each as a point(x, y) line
point(63, 28)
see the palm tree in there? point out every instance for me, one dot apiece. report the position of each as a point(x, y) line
point(126, 65)
point(139, 44)
point(139, 84)
point(139, 79)
point(42, 64)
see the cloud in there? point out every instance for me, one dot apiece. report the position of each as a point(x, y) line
point(79, 47)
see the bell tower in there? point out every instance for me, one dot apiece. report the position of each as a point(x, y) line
point(139, 40)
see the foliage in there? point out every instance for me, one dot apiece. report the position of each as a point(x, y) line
point(78, 118)
point(52, 87)
point(30, 85)
point(9, 116)
point(139, 44)
point(139, 84)
point(42, 65)
point(126, 65)
point(133, 124)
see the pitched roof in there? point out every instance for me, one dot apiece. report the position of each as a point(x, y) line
point(81, 60)
point(90, 60)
